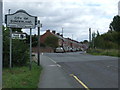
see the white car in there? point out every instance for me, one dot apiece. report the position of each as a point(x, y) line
point(59, 49)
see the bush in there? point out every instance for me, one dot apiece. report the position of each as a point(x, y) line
point(20, 53)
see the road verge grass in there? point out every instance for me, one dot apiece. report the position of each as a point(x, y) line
point(21, 77)
point(107, 52)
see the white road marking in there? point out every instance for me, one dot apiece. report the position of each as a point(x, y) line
point(58, 65)
point(52, 60)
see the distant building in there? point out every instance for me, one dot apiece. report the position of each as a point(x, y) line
point(66, 43)
point(119, 8)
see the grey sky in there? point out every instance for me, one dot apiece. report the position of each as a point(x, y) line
point(75, 16)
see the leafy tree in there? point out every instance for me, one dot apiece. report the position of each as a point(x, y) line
point(51, 41)
point(85, 41)
point(20, 54)
point(115, 24)
point(34, 40)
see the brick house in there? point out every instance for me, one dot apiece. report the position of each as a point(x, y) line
point(66, 43)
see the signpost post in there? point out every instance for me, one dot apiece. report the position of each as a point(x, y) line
point(21, 19)
point(10, 47)
point(39, 26)
point(1, 44)
point(30, 48)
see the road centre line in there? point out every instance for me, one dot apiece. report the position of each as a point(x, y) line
point(80, 81)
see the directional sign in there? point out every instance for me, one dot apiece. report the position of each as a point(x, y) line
point(21, 36)
point(20, 19)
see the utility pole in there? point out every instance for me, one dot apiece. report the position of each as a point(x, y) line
point(90, 37)
point(1, 43)
point(39, 25)
point(62, 40)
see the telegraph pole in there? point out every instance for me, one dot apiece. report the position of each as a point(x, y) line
point(1, 43)
point(89, 37)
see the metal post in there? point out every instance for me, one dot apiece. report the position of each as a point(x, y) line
point(30, 48)
point(1, 44)
point(10, 48)
point(38, 43)
point(39, 26)
point(90, 37)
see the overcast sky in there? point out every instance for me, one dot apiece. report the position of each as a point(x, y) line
point(75, 16)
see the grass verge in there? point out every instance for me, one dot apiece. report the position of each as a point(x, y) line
point(107, 52)
point(21, 77)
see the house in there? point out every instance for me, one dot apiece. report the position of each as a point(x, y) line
point(67, 43)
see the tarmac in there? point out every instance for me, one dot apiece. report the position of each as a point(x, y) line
point(52, 75)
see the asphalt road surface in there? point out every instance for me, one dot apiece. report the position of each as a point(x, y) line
point(92, 71)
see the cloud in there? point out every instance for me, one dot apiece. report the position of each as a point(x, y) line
point(75, 16)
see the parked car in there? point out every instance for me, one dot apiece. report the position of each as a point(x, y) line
point(59, 50)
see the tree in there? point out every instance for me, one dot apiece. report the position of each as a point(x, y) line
point(20, 53)
point(51, 41)
point(85, 41)
point(115, 24)
point(93, 39)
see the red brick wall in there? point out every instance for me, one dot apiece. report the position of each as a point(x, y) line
point(47, 49)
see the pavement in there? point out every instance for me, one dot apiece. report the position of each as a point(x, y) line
point(68, 70)
point(52, 75)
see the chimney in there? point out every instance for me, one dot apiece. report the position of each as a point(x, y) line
point(47, 30)
point(53, 32)
point(58, 33)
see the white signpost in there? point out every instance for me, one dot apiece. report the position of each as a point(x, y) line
point(20, 19)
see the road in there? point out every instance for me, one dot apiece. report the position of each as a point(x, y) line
point(87, 71)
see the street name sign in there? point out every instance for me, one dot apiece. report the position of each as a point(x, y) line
point(21, 36)
point(20, 19)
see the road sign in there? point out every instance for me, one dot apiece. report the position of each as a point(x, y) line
point(20, 19)
point(18, 35)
